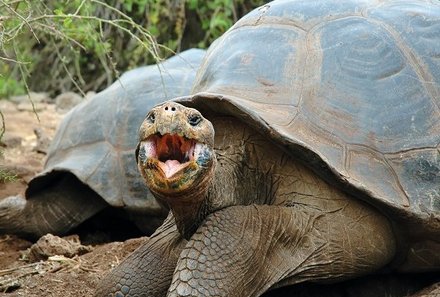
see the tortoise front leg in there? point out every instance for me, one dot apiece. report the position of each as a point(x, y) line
point(149, 269)
point(245, 250)
point(57, 208)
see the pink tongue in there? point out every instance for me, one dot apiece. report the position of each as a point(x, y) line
point(171, 167)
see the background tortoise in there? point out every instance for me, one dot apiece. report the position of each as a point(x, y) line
point(326, 116)
point(90, 164)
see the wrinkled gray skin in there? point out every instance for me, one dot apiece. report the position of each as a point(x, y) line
point(90, 164)
point(326, 119)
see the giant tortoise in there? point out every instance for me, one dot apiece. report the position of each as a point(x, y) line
point(324, 164)
point(90, 165)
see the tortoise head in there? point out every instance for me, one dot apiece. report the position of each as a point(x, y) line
point(175, 154)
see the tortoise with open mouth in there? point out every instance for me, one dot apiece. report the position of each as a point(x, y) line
point(308, 152)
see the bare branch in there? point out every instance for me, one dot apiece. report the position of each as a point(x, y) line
point(12, 60)
point(23, 76)
point(3, 129)
point(67, 70)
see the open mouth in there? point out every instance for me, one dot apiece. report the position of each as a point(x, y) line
point(172, 152)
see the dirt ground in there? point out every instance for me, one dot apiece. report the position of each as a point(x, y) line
point(21, 274)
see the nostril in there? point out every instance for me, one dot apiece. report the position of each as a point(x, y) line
point(170, 108)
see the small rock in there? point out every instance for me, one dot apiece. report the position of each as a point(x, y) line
point(43, 141)
point(10, 286)
point(66, 101)
point(90, 95)
point(50, 245)
point(35, 97)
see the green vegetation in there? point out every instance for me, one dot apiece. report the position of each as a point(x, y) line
point(81, 45)
point(6, 176)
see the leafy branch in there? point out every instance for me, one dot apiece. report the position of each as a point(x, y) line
point(74, 34)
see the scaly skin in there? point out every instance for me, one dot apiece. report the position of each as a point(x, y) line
point(152, 263)
point(258, 223)
point(245, 250)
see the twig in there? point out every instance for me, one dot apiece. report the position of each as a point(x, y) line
point(79, 7)
point(67, 70)
point(6, 237)
point(23, 76)
point(8, 271)
point(3, 129)
point(14, 61)
point(59, 33)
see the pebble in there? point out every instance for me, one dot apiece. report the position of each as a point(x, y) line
point(90, 95)
point(50, 245)
point(66, 101)
point(43, 141)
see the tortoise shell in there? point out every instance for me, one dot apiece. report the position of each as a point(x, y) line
point(350, 87)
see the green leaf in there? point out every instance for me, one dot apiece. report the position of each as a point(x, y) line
point(221, 23)
point(193, 4)
point(67, 22)
point(128, 6)
point(58, 11)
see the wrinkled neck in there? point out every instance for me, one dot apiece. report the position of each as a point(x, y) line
point(238, 177)
point(225, 187)
point(190, 207)
point(189, 217)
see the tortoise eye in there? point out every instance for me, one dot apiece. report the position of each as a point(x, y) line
point(151, 117)
point(194, 119)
